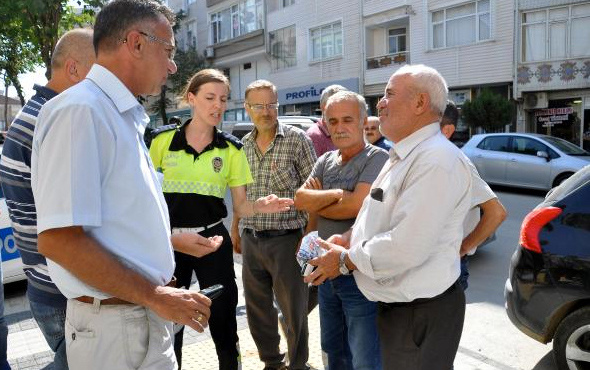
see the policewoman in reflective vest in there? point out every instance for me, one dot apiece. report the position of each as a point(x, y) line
point(198, 163)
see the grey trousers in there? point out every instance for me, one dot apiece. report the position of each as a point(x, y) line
point(269, 265)
point(422, 335)
point(122, 337)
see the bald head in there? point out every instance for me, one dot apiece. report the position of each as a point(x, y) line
point(76, 44)
point(72, 58)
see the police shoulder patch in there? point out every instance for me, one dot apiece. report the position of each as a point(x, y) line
point(161, 129)
point(232, 139)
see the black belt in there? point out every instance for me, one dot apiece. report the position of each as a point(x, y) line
point(270, 233)
point(419, 301)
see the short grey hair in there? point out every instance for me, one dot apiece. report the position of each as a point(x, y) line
point(350, 96)
point(429, 80)
point(329, 91)
point(117, 17)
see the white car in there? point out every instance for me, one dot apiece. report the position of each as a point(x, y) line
point(531, 161)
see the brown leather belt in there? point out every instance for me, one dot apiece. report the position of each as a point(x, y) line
point(115, 300)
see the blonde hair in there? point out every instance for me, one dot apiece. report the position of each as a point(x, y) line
point(202, 77)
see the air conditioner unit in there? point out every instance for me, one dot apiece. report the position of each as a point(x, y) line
point(209, 52)
point(536, 100)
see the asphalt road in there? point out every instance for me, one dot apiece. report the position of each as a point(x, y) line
point(489, 338)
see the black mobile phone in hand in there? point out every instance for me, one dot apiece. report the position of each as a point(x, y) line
point(213, 291)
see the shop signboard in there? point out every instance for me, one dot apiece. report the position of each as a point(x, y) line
point(553, 116)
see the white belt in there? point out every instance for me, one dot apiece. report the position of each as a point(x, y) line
point(194, 230)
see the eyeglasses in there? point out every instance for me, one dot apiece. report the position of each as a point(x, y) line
point(171, 49)
point(261, 107)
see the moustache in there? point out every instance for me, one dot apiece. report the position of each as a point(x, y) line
point(340, 136)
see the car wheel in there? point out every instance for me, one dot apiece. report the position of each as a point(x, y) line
point(561, 178)
point(571, 344)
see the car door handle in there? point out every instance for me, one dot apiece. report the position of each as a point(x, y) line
point(513, 160)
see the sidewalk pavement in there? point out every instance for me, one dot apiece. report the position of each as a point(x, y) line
point(27, 349)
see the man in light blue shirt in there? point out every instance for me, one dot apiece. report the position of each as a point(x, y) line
point(102, 220)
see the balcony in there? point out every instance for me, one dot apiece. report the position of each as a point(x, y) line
point(380, 68)
point(384, 61)
point(249, 41)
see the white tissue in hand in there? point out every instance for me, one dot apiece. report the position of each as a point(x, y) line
point(310, 248)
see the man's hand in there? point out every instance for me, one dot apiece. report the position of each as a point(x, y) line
point(342, 240)
point(272, 204)
point(236, 239)
point(313, 183)
point(328, 265)
point(195, 244)
point(182, 306)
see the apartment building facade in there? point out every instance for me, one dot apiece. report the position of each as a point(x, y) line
point(552, 68)
point(468, 42)
point(305, 45)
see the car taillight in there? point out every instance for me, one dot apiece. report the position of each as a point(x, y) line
point(532, 225)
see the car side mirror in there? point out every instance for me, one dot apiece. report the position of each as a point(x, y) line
point(543, 154)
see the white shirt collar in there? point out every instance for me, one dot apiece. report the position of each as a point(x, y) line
point(113, 88)
point(405, 146)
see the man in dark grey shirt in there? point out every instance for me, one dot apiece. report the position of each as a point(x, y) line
point(333, 195)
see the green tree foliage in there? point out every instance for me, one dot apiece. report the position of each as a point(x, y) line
point(41, 22)
point(159, 106)
point(188, 62)
point(17, 55)
point(488, 110)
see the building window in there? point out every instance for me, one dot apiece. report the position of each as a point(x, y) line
point(556, 33)
point(461, 25)
point(239, 19)
point(273, 5)
point(396, 40)
point(191, 35)
point(326, 41)
point(283, 48)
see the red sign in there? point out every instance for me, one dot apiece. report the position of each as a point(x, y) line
point(553, 116)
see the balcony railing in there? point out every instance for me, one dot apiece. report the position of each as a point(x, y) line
point(388, 60)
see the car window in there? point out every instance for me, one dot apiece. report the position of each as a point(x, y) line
point(565, 146)
point(525, 145)
point(495, 143)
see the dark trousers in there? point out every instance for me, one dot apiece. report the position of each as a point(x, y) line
point(270, 269)
point(214, 268)
point(423, 335)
